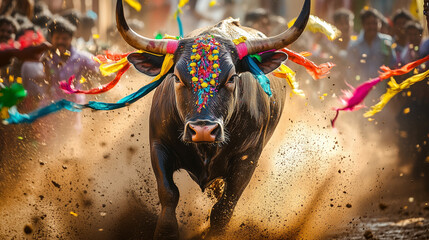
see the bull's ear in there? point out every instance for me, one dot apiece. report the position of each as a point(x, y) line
point(146, 63)
point(270, 61)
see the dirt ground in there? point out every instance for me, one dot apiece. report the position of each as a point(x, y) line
point(312, 181)
point(400, 212)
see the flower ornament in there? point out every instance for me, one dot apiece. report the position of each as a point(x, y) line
point(204, 68)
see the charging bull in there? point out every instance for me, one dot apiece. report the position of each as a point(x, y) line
point(210, 116)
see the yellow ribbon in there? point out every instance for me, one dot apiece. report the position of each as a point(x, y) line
point(166, 66)
point(134, 4)
point(285, 72)
point(316, 24)
point(394, 88)
point(109, 68)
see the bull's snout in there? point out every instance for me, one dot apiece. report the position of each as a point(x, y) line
point(203, 131)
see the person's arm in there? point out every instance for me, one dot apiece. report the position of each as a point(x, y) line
point(32, 53)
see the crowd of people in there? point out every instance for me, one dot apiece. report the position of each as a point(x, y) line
point(358, 54)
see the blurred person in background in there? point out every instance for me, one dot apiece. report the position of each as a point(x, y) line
point(8, 28)
point(85, 39)
point(400, 18)
point(413, 123)
point(65, 60)
point(386, 25)
point(414, 33)
point(73, 16)
point(23, 7)
point(115, 43)
point(344, 21)
point(424, 49)
point(258, 19)
point(372, 49)
point(278, 24)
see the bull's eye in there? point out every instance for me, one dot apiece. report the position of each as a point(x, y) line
point(232, 79)
point(177, 79)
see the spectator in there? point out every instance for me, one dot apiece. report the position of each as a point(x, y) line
point(414, 31)
point(372, 49)
point(414, 127)
point(386, 25)
point(344, 21)
point(73, 16)
point(258, 19)
point(424, 50)
point(85, 41)
point(400, 18)
point(65, 60)
point(8, 28)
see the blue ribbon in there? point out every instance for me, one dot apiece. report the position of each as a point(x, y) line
point(179, 22)
point(15, 117)
point(259, 75)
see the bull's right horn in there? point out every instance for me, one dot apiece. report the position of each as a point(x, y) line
point(158, 46)
point(282, 40)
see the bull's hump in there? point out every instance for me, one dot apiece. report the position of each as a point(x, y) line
point(229, 28)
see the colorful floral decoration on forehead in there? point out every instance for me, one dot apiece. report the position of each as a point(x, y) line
point(204, 69)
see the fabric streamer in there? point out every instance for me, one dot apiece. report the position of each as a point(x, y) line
point(111, 63)
point(177, 13)
point(259, 75)
point(388, 73)
point(317, 72)
point(212, 3)
point(316, 24)
point(352, 100)
point(285, 72)
point(394, 88)
point(68, 88)
point(134, 4)
point(179, 23)
point(15, 117)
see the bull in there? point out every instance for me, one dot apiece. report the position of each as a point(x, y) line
point(210, 116)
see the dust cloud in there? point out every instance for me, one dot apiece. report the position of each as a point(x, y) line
point(98, 183)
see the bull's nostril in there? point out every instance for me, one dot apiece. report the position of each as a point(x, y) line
point(203, 132)
point(191, 130)
point(215, 131)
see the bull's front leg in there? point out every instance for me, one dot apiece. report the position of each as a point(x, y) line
point(235, 183)
point(163, 166)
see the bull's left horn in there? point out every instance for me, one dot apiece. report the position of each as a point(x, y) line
point(159, 46)
point(282, 40)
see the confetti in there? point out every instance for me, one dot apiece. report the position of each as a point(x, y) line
point(406, 110)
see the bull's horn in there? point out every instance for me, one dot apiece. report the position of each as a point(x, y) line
point(282, 40)
point(159, 46)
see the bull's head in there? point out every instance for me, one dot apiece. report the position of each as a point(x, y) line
point(206, 71)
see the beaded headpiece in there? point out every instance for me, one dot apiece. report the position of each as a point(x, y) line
point(204, 68)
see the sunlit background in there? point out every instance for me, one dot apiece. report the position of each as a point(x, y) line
point(313, 181)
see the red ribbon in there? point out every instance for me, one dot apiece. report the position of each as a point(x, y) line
point(67, 86)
